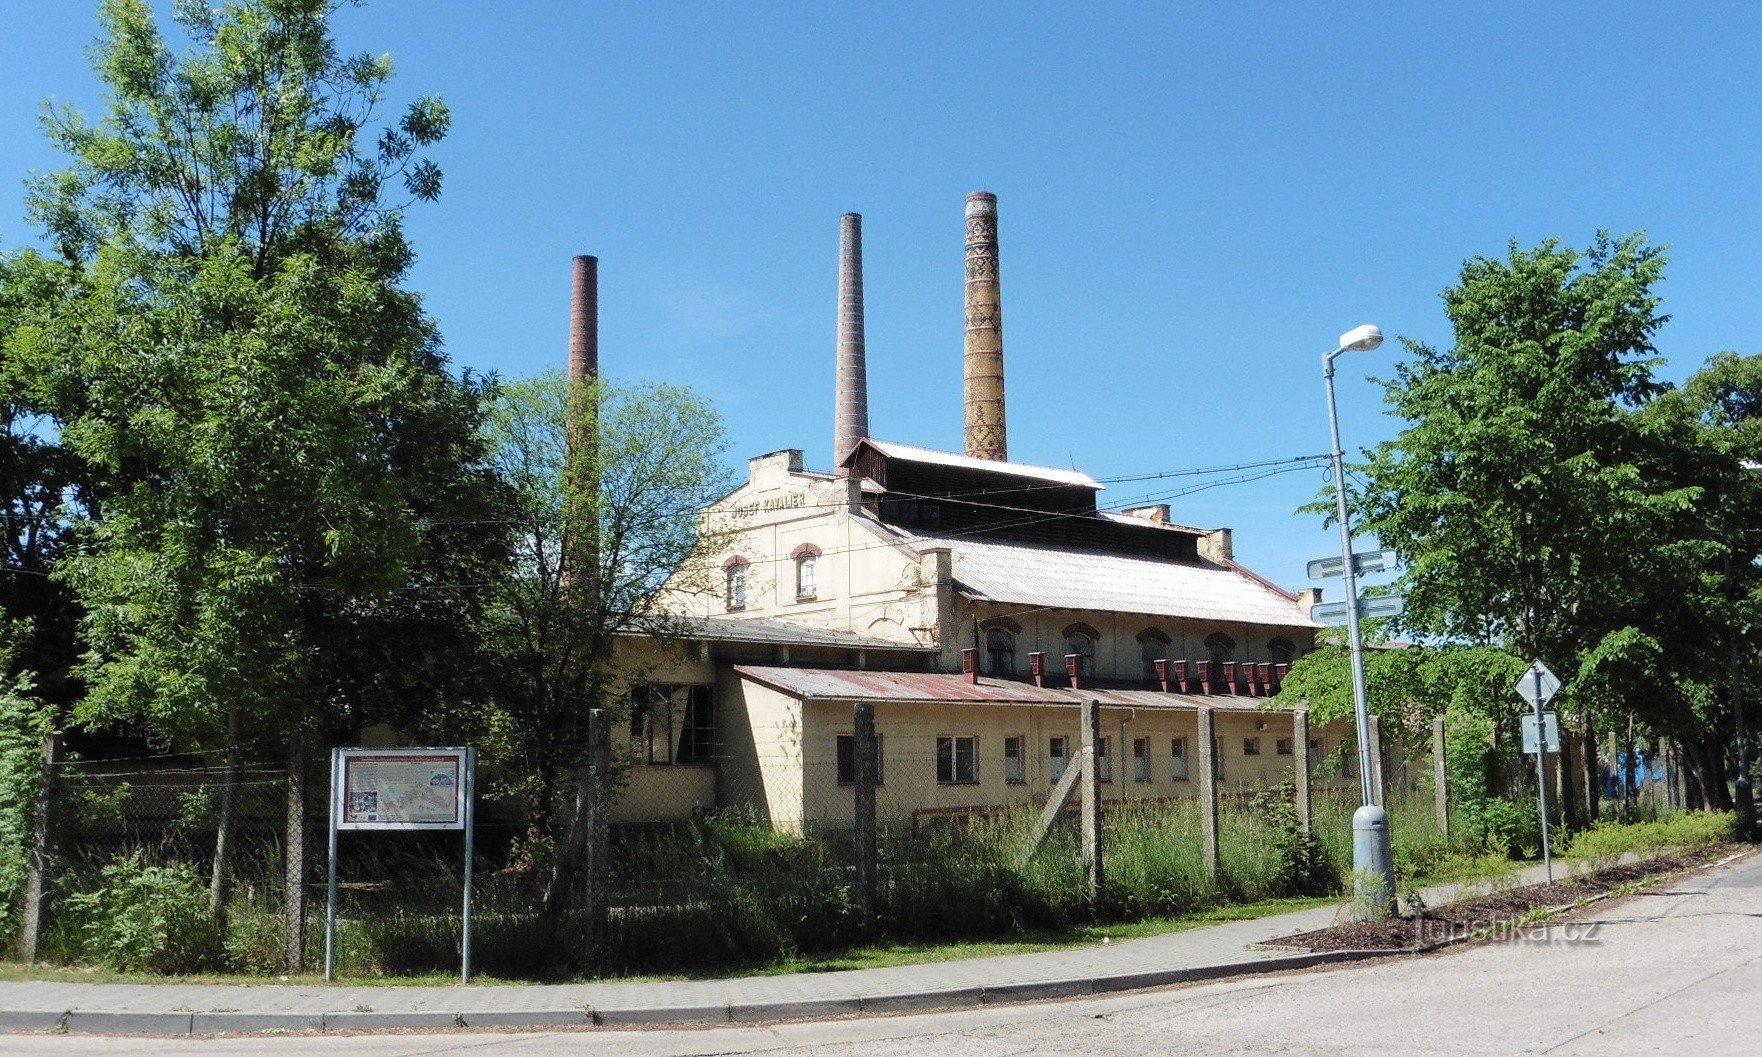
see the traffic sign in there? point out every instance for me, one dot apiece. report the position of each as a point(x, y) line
point(1537, 684)
point(1370, 607)
point(1362, 562)
point(1550, 728)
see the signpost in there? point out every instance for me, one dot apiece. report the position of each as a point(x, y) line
point(1362, 562)
point(1538, 685)
point(1370, 607)
point(401, 789)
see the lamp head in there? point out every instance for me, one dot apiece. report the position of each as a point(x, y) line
point(1361, 339)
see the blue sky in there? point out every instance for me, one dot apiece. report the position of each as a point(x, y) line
point(1195, 200)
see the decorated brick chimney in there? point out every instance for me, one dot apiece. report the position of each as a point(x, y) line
point(851, 400)
point(581, 465)
point(985, 434)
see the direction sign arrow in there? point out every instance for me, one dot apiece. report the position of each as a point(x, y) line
point(1362, 562)
point(1536, 685)
point(1370, 607)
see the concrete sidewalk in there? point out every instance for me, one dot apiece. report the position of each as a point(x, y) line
point(1177, 957)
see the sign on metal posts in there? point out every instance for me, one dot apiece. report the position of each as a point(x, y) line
point(1363, 562)
point(1550, 741)
point(1370, 607)
point(1538, 685)
point(401, 789)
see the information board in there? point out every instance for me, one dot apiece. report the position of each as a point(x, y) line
point(400, 789)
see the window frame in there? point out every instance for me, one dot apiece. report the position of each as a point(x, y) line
point(991, 654)
point(1284, 747)
point(1019, 744)
point(840, 754)
point(1180, 760)
point(1251, 745)
point(1059, 760)
point(734, 584)
point(953, 744)
point(1141, 770)
point(1104, 759)
point(807, 586)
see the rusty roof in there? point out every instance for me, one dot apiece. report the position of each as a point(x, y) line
point(827, 684)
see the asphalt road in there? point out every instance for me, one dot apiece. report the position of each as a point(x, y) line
point(1674, 970)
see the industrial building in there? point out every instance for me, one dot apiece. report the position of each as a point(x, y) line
point(973, 601)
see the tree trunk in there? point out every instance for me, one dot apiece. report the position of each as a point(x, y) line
point(1565, 778)
point(1706, 766)
point(1590, 771)
point(220, 882)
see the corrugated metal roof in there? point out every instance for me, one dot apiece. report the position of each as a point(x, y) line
point(944, 687)
point(909, 453)
point(1071, 579)
point(771, 631)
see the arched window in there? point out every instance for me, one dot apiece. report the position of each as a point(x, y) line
point(1153, 646)
point(734, 569)
point(807, 572)
point(1080, 639)
point(1000, 652)
point(1281, 650)
point(1218, 649)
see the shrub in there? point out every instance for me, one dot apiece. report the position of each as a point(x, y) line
point(1689, 829)
point(143, 918)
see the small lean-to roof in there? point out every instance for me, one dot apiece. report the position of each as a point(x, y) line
point(769, 631)
point(909, 453)
point(1060, 578)
point(826, 684)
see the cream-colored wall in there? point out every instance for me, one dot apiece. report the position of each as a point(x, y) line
point(909, 733)
point(657, 793)
point(866, 585)
point(760, 763)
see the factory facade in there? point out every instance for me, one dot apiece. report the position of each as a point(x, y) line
point(973, 602)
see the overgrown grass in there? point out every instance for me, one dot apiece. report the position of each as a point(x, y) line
point(730, 894)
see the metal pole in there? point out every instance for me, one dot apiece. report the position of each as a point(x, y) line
point(1372, 864)
point(470, 855)
point(1355, 641)
point(336, 757)
point(1542, 773)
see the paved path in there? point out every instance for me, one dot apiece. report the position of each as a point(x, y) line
point(1180, 957)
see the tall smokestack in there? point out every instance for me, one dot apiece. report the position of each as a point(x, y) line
point(985, 433)
point(584, 320)
point(851, 401)
point(580, 566)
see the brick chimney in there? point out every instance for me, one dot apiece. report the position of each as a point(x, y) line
point(986, 437)
point(584, 320)
point(851, 400)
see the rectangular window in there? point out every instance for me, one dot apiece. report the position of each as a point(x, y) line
point(1283, 746)
point(1315, 753)
point(672, 724)
point(1178, 754)
point(1058, 752)
point(1217, 761)
point(847, 760)
point(1014, 762)
point(1251, 746)
point(1141, 759)
point(1104, 760)
point(957, 760)
point(806, 577)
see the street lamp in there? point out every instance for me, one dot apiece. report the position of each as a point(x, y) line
point(1373, 867)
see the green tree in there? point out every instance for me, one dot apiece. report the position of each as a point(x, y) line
point(284, 463)
point(606, 483)
point(1518, 494)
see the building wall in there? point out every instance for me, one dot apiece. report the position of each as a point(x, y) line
point(760, 767)
point(909, 732)
point(1117, 652)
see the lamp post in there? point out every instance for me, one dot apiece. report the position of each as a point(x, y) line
point(1373, 866)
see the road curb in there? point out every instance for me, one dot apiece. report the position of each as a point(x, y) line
point(235, 1023)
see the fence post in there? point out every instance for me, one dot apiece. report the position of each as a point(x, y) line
point(1376, 762)
point(1208, 792)
point(1089, 743)
point(294, 904)
point(864, 809)
point(1440, 779)
point(39, 876)
point(598, 857)
point(1300, 759)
